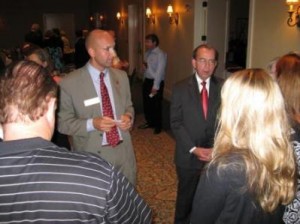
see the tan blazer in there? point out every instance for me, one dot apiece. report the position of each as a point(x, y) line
point(75, 89)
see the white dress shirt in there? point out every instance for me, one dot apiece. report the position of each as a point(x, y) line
point(95, 76)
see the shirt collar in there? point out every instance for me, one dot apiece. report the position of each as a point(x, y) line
point(9, 147)
point(199, 80)
point(154, 50)
point(95, 72)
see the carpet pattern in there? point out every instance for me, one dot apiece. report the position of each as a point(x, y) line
point(156, 180)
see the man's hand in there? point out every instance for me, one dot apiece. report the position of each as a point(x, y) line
point(126, 122)
point(153, 91)
point(103, 123)
point(203, 154)
point(144, 66)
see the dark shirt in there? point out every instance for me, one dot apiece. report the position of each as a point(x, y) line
point(42, 183)
point(81, 55)
point(34, 38)
point(222, 198)
point(292, 211)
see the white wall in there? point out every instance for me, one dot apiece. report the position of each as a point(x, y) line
point(271, 36)
point(176, 40)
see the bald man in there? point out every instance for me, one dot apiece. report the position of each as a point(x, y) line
point(82, 110)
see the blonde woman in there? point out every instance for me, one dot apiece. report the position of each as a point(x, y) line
point(288, 68)
point(252, 171)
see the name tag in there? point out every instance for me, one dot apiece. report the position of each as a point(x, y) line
point(91, 101)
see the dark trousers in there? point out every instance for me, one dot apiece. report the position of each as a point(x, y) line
point(153, 105)
point(187, 184)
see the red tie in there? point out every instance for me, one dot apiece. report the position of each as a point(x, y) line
point(112, 136)
point(204, 98)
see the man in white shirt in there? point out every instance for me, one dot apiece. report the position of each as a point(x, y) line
point(153, 85)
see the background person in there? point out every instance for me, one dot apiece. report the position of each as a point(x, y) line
point(68, 51)
point(153, 85)
point(252, 172)
point(43, 183)
point(35, 35)
point(117, 62)
point(81, 55)
point(82, 106)
point(42, 57)
point(288, 67)
point(54, 45)
point(194, 132)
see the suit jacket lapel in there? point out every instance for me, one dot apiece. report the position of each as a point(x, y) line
point(195, 95)
point(89, 91)
point(214, 97)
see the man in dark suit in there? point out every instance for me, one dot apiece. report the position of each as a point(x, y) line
point(81, 55)
point(35, 35)
point(83, 105)
point(193, 123)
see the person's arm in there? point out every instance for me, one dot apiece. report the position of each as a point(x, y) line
point(128, 115)
point(68, 122)
point(124, 205)
point(210, 197)
point(176, 121)
point(160, 70)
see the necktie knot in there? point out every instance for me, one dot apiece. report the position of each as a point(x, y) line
point(203, 83)
point(102, 75)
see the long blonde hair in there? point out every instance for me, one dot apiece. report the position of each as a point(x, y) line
point(253, 124)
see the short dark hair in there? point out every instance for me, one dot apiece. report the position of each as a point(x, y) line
point(44, 56)
point(195, 51)
point(153, 37)
point(27, 48)
point(25, 90)
point(78, 33)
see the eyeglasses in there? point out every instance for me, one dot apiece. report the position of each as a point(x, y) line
point(203, 61)
point(108, 49)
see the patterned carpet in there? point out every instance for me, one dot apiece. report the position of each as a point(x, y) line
point(156, 172)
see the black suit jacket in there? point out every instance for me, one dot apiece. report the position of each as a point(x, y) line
point(187, 120)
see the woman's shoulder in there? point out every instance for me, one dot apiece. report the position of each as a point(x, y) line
point(230, 169)
point(295, 135)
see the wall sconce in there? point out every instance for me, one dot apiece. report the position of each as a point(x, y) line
point(120, 17)
point(173, 16)
point(97, 19)
point(97, 16)
point(294, 15)
point(150, 16)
